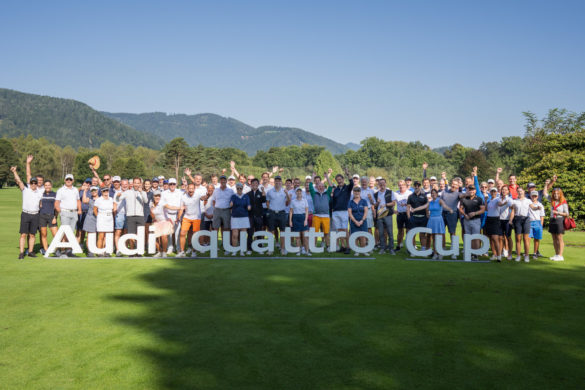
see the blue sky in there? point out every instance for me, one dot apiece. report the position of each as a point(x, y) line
point(435, 71)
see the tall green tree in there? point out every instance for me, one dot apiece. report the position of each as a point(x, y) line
point(8, 158)
point(324, 161)
point(174, 154)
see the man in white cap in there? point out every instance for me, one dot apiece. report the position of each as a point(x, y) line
point(68, 205)
point(136, 201)
point(231, 183)
point(356, 180)
point(29, 218)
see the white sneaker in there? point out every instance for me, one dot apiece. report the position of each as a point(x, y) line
point(188, 253)
point(242, 253)
point(356, 254)
point(248, 253)
point(164, 254)
point(303, 251)
point(504, 252)
point(434, 256)
point(234, 253)
point(527, 259)
point(329, 250)
point(170, 250)
point(298, 253)
point(453, 257)
point(180, 254)
point(557, 258)
point(518, 258)
point(509, 256)
point(309, 254)
point(269, 253)
point(284, 252)
point(367, 254)
point(494, 257)
point(439, 257)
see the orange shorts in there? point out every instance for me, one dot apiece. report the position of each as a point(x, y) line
point(321, 224)
point(190, 224)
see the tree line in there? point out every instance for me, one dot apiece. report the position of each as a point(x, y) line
point(551, 146)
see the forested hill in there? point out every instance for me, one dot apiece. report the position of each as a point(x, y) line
point(65, 122)
point(217, 131)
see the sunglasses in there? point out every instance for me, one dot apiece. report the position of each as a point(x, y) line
point(68, 179)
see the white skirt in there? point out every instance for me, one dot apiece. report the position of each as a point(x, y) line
point(105, 223)
point(240, 223)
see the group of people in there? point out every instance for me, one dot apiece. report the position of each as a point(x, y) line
point(238, 203)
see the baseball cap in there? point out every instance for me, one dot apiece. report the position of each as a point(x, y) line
point(93, 188)
point(531, 185)
point(156, 193)
point(379, 178)
point(408, 178)
point(68, 176)
point(533, 193)
point(308, 177)
point(161, 177)
point(87, 180)
point(357, 189)
point(491, 181)
point(155, 179)
point(33, 180)
point(277, 177)
point(165, 182)
point(494, 189)
point(172, 180)
point(416, 183)
point(239, 185)
point(116, 178)
point(356, 176)
point(223, 177)
point(298, 189)
point(471, 187)
point(433, 178)
point(105, 190)
point(232, 178)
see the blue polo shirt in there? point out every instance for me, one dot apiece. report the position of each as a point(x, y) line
point(357, 209)
point(240, 206)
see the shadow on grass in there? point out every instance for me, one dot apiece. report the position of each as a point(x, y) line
point(386, 324)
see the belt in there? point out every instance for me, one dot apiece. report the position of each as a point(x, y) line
point(72, 210)
point(30, 212)
point(278, 212)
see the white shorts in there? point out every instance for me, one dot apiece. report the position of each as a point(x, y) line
point(240, 223)
point(339, 220)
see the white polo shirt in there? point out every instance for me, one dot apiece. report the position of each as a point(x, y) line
point(171, 198)
point(192, 205)
point(505, 209)
point(31, 200)
point(68, 196)
point(222, 197)
point(534, 215)
point(521, 207)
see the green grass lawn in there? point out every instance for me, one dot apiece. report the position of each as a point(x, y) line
point(288, 324)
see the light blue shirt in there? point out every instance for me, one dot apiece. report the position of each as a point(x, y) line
point(277, 199)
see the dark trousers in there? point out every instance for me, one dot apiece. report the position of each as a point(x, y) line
point(133, 223)
point(256, 225)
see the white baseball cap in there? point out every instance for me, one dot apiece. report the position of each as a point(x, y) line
point(308, 177)
point(116, 178)
point(491, 181)
point(161, 177)
point(68, 176)
point(232, 178)
point(433, 178)
point(172, 180)
point(356, 176)
point(379, 178)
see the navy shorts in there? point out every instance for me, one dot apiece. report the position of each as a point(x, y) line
point(418, 221)
point(505, 227)
point(402, 221)
point(522, 225)
point(450, 220)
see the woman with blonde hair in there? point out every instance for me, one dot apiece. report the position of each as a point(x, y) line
point(558, 211)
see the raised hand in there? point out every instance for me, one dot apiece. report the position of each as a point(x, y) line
point(29, 158)
point(232, 165)
point(425, 165)
point(13, 169)
point(187, 172)
point(275, 169)
point(499, 170)
point(223, 170)
point(281, 170)
point(474, 171)
point(554, 178)
point(444, 175)
point(329, 171)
